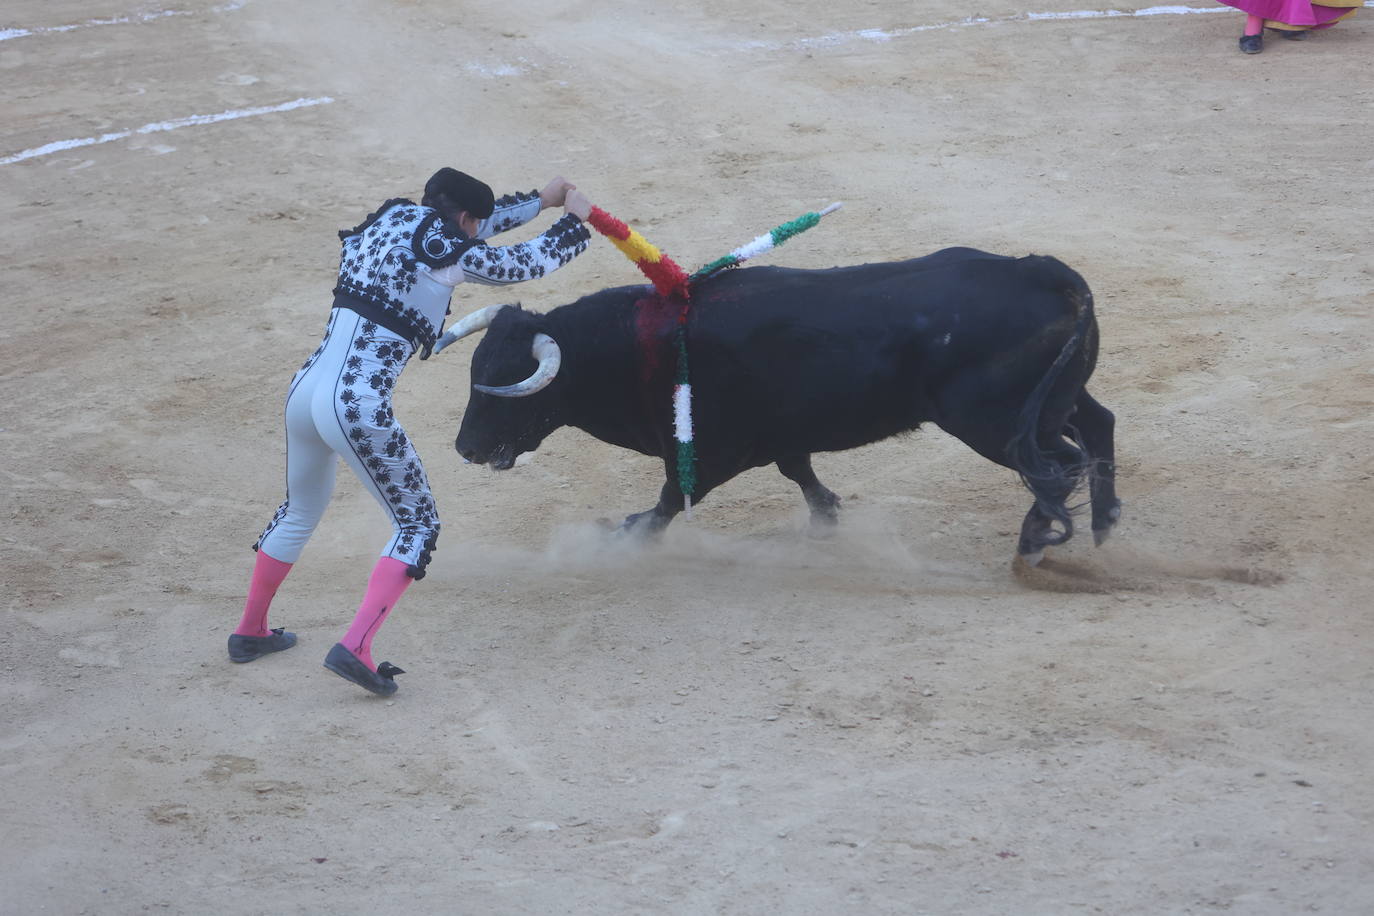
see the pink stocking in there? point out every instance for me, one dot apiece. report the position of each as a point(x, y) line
point(384, 588)
point(1254, 25)
point(268, 574)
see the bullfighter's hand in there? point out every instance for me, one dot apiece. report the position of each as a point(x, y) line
point(578, 205)
point(555, 193)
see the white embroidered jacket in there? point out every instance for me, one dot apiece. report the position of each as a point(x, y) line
point(399, 267)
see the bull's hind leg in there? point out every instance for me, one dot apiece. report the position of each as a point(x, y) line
point(987, 428)
point(824, 504)
point(1052, 488)
point(1095, 425)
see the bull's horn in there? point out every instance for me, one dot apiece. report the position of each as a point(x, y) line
point(545, 349)
point(470, 324)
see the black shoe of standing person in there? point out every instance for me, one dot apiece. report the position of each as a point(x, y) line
point(1252, 44)
point(1293, 34)
point(248, 648)
point(349, 667)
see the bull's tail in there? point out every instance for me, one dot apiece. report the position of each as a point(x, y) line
point(1050, 479)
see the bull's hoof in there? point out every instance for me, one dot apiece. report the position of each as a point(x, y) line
point(823, 521)
point(821, 529)
point(1101, 530)
point(1033, 558)
point(1033, 544)
point(1039, 532)
point(648, 524)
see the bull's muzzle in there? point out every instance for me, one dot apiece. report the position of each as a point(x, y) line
point(501, 458)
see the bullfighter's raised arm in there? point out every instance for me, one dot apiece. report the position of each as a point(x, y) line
point(512, 210)
point(497, 265)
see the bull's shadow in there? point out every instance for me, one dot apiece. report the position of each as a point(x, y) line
point(995, 350)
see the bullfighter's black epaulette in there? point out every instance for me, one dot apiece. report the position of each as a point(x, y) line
point(373, 217)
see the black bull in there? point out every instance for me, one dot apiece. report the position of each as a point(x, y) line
point(995, 350)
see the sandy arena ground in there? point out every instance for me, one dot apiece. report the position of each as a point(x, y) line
point(742, 719)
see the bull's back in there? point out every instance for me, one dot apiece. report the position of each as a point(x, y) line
point(952, 289)
point(823, 360)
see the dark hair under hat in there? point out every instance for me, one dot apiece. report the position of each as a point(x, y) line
point(449, 190)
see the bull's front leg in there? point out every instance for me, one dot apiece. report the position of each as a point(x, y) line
point(651, 523)
point(823, 503)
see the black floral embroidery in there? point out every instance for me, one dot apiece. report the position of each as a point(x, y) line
point(310, 360)
point(313, 357)
point(563, 241)
point(276, 520)
point(372, 361)
point(382, 445)
point(378, 265)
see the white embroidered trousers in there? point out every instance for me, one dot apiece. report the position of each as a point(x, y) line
point(339, 406)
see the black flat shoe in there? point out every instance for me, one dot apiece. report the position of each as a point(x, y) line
point(349, 667)
point(1252, 44)
point(247, 648)
point(1293, 35)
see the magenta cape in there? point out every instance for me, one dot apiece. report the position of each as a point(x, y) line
point(1298, 13)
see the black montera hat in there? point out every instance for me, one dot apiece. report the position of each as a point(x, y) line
point(450, 188)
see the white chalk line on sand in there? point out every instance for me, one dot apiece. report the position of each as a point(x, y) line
point(158, 126)
point(876, 35)
point(879, 35)
point(6, 34)
point(889, 34)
